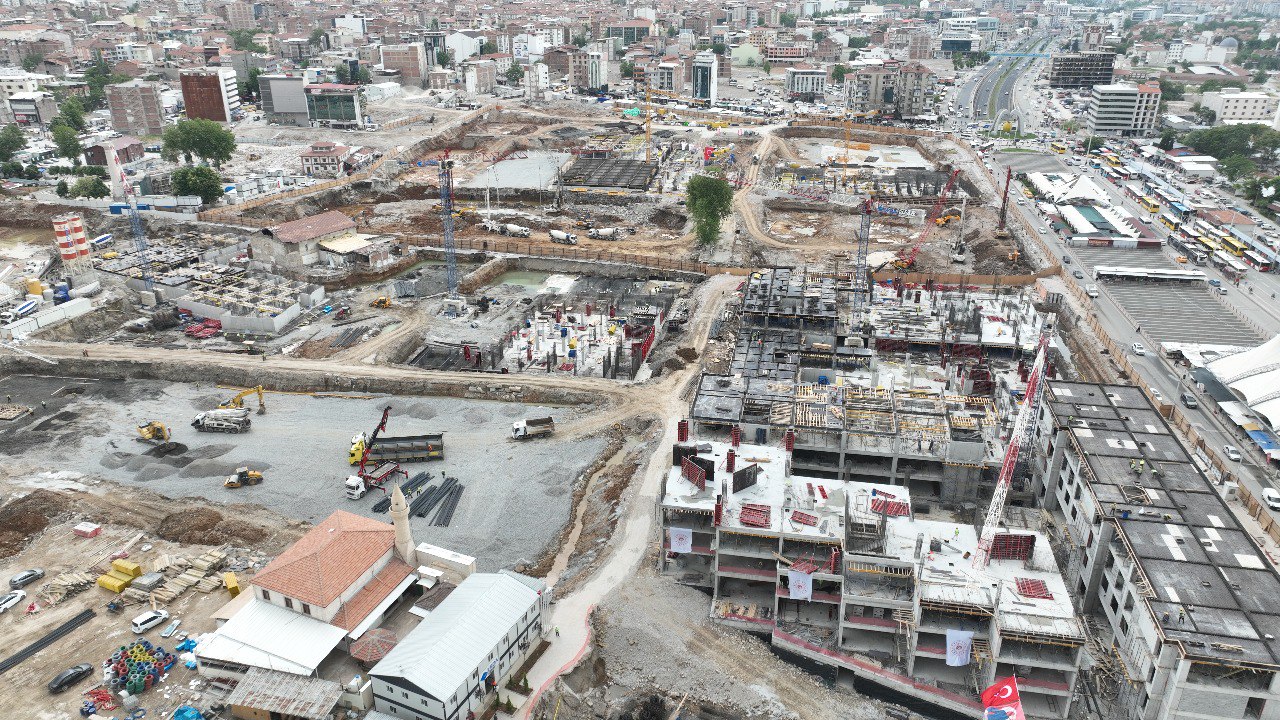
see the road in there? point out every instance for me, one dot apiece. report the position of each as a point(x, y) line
point(984, 94)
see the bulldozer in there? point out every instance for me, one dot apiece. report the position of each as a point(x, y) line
point(382, 302)
point(237, 402)
point(243, 476)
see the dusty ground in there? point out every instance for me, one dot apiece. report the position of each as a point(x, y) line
point(46, 506)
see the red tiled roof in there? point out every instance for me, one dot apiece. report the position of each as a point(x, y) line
point(310, 228)
point(355, 610)
point(325, 562)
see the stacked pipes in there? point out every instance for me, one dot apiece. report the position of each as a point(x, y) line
point(409, 487)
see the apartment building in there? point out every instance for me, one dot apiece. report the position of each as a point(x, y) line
point(1237, 107)
point(1185, 596)
point(1123, 109)
point(1081, 70)
point(870, 89)
point(136, 108)
point(805, 81)
point(630, 31)
point(917, 87)
point(849, 575)
point(410, 60)
point(210, 93)
point(706, 76)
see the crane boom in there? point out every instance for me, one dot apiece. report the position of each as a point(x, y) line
point(908, 257)
point(382, 425)
point(446, 221)
point(1020, 435)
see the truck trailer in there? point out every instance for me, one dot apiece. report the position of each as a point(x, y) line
point(407, 448)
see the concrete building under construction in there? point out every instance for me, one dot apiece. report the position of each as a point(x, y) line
point(847, 574)
point(1182, 598)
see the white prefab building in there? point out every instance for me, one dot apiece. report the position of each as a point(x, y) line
point(463, 650)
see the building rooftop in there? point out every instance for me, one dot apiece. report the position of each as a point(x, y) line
point(1193, 554)
point(329, 559)
point(325, 223)
point(295, 696)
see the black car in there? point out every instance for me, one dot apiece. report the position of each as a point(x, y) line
point(25, 578)
point(69, 677)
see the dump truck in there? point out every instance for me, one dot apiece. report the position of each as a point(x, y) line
point(564, 238)
point(610, 233)
point(532, 428)
point(243, 476)
point(228, 420)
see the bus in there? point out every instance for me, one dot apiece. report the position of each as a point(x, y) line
point(1113, 160)
point(1149, 204)
point(1169, 221)
point(1111, 175)
point(1058, 148)
point(1257, 262)
point(1234, 246)
point(1209, 246)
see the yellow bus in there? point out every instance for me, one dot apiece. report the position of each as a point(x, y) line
point(1058, 148)
point(1113, 160)
point(1149, 204)
point(1233, 246)
point(1169, 221)
point(1209, 245)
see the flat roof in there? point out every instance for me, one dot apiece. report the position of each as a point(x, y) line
point(269, 636)
point(1193, 551)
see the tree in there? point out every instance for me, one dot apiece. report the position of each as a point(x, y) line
point(1223, 142)
point(197, 180)
point(90, 187)
point(1171, 91)
point(11, 169)
point(62, 189)
point(710, 200)
point(444, 57)
point(515, 74)
point(1093, 142)
point(1071, 125)
point(363, 77)
point(1167, 140)
point(71, 113)
point(819, 36)
point(317, 37)
point(64, 137)
point(857, 43)
point(249, 88)
point(751, 61)
point(12, 141)
point(1212, 85)
point(766, 66)
point(31, 171)
point(29, 62)
point(490, 47)
point(1205, 115)
point(343, 73)
point(244, 40)
point(1237, 166)
point(435, 23)
point(787, 20)
point(1259, 77)
point(838, 72)
point(97, 76)
point(627, 68)
point(578, 40)
point(719, 48)
point(204, 139)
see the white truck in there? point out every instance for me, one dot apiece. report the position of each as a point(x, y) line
point(610, 233)
point(532, 428)
point(564, 238)
point(513, 230)
point(227, 420)
point(19, 312)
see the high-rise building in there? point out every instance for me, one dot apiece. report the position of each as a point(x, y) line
point(1237, 107)
point(705, 75)
point(210, 93)
point(597, 71)
point(284, 99)
point(240, 16)
point(665, 77)
point(1082, 70)
point(136, 108)
point(917, 85)
point(1093, 37)
point(1123, 109)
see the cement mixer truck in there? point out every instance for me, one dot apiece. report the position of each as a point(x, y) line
point(610, 233)
point(564, 238)
point(515, 230)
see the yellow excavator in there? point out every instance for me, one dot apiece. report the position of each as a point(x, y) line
point(237, 402)
point(243, 476)
point(382, 302)
point(156, 433)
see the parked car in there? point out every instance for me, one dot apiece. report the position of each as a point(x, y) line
point(1138, 348)
point(69, 677)
point(1232, 453)
point(1066, 259)
point(1271, 497)
point(25, 578)
point(148, 620)
point(11, 599)
point(1190, 400)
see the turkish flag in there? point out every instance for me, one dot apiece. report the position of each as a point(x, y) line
point(1002, 702)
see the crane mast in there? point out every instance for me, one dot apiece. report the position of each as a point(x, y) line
point(135, 224)
point(446, 221)
point(1017, 438)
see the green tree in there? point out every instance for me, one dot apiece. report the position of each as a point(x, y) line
point(719, 48)
point(751, 61)
point(1071, 126)
point(72, 114)
point(1093, 142)
point(244, 40)
point(1171, 91)
point(343, 73)
point(90, 187)
point(491, 47)
point(1259, 77)
point(444, 57)
point(766, 66)
point(838, 72)
point(710, 200)
point(787, 20)
point(1238, 166)
point(578, 40)
point(64, 137)
point(12, 141)
point(363, 77)
point(857, 43)
point(204, 139)
point(627, 68)
point(1167, 140)
point(97, 76)
point(1205, 115)
point(29, 62)
point(435, 23)
point(515, 74)
point(11, 169)
point(197, 180)
point(317, 37)
point(1223, 142)
point(249, 88)
point(31, 171)
point(1212, 85)
point(62, 189)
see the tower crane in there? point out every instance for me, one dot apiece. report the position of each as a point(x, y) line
point(861, 278)
point(446, 220)
point(907, 258)
point(135, 224)
point(1020, 435)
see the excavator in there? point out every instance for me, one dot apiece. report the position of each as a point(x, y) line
point(243, 476)
point(155, 433)
point(382, 302)
point(237, 402)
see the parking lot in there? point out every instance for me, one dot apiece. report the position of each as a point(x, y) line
point(1033, 162)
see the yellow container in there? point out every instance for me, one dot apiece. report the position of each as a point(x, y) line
point(34, 287)
point(114, 584)
point(132, 569)
point(232, 582)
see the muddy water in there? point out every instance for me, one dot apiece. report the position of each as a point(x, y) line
point(22, 242)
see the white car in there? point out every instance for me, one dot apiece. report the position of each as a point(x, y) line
point(1232, 453)
point(148, 620)
point(1272, 498)
point(12, 598)
point(1138, 348)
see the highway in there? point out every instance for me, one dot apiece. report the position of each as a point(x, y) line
point(984, 93)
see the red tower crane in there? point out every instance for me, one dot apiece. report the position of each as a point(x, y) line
point(907, 257)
